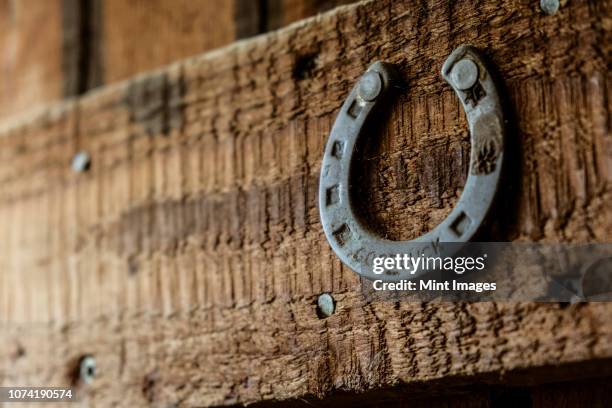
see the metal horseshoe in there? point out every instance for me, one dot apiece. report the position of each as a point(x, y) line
point(350, 239)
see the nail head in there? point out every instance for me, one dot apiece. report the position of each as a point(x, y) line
point(549, 7)
point(87, 369)
point(326, 305)
point(370, 86)
point(464, 74)
point(81, 162)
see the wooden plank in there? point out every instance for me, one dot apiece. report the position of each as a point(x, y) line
point(31, 40)
point(188, 260)
point(280, 13)
point(142, 35)
point(61, 48)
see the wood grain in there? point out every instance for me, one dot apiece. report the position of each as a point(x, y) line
point(31, 40)
point(280, 13)
point(188, 260)
point(60, 48)
point(141, 35)
point(137, 36)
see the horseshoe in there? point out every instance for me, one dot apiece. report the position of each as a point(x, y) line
point(349, 238)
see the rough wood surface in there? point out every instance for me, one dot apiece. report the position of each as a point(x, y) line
point(188, 260)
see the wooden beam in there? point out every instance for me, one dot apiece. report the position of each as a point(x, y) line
point(280, 13)
point(134, 37)
point(31, 40)
point(189, 258)
point(61, 48)
point(140, 36)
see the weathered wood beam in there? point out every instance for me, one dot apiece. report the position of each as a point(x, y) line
point(189, 258)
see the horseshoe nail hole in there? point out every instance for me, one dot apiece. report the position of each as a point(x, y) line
point(342, 234)
point(337, 149)
point(475, 94)
point(305, 66)
point(461, 224)
point(354, 110)
point(332, 195)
